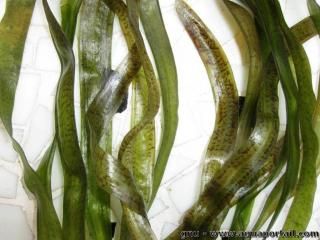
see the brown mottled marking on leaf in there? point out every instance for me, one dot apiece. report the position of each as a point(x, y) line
point(223, 86)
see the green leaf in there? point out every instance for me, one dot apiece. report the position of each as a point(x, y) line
point(137, 150)
point(314, 10)
point(45, 168)
point(271, 24)
point(224, 89)
point(304, 30)
point(301, 209)
point(298, 219)
point(69, 14)
point(116, 179)
point(151, 19)
point(243, 170)
point(71, 158)
point(47, 219)
point(95, 39)
point(13, 30)
point(141, 161)
point(248, 29)
point(112, 175)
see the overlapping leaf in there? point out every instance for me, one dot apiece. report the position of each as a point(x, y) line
point(95, 38)
point(71, 158)
point(223, 86)
point(243, 169)
point(13, 30)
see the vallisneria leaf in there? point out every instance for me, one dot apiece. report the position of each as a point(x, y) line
point(248, 29)
point(71, 158)
point(137, 151)
point(314, 10)
point(44, 171)
point(13, 31)
point(304, 30)
point(301, 209)
point(142, 159)
point(112, 175)
point(243, 170)
point(298, 219)
point(69, 14)
point(138, 225)
point(95, 39)
point(120, 9)
point(116, 179)
point(270, 22)
point(45, 167)
point(47, 219)
point(151, 19)
point(247, 116)
point(223, 86)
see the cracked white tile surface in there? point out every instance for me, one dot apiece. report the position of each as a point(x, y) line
point(8, 184)
point(33, 116)
point(14, 225)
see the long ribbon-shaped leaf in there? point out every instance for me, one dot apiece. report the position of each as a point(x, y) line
point(142, 159)
point(272, 29)
point(47, 219)
point(303, 31)
point(248, 29)
point(301, 209)
point(306, 103)
point(112, 175)
point(151, 19)
point(74, 171)
point(45, 167)
point(138, 155)
point(234, 178)
point(138, 225)
point(69, 14)
point(13, 31)
point(95, 38)
point(314, 10)
point(245, 205)
point(223, 86)
point(242, 171)
point(44, 172)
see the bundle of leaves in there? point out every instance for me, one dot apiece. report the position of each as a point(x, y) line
point(246, 151)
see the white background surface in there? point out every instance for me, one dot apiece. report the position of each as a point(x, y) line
point(33, 115)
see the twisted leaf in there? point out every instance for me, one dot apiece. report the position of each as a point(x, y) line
point(95, 38)
point(71, 158)
point(223, 86)
point(13, 31)
point(151, 19)
point(201, 213)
